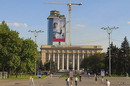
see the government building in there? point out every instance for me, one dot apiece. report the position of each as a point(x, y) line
point(67, 57)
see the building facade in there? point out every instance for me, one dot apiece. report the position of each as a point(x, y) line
point(67, 57)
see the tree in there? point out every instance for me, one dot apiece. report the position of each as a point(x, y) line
point(114, 58)
point(50, 66)
point(16, 54)
point(10, 45)
point(124, 57)
point(28, 56)
point(94, 62)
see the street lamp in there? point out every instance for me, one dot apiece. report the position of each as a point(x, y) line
point(109, 31)
point(35, 32)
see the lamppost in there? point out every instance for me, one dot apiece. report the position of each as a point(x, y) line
point(109, 31)
point(35, 32)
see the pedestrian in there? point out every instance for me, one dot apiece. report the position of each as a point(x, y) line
point(51, 75)
point(102, 80)
point(108, 83)
point(88, 75)
point(31, 83)
point(96, 78)
point(76, 81)
point(71, 81)
point(127, 75)
point(80, 78)
point(67, 81)
point(95, 75)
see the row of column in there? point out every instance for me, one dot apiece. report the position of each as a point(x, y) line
point(63, 60)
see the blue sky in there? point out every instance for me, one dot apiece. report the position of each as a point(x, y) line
point(87, 20)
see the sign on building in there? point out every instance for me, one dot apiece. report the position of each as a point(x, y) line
point(59, 29)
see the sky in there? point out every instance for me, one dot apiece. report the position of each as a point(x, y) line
point(86, 20)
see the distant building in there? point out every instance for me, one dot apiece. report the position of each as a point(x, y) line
point(56, 28)
point(67, 57)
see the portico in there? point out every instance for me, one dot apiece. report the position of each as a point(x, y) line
point(66, 57)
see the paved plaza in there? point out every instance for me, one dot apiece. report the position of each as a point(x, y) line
point(56, 81)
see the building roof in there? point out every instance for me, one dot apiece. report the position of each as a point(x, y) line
point(72, 47)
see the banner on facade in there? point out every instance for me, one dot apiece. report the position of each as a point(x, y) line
point(59, 29)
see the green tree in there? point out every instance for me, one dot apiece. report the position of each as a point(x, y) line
point(94, 62)
point(50, 66)
point(40, 65)
point(28, 56)
point(124, 57)
point(114, 59)
point(10, 45)
point(16, 54)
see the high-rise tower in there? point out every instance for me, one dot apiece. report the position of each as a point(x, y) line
point(56, 28)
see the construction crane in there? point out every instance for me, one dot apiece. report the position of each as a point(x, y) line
point(69, 15)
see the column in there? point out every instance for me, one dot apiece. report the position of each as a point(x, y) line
point(83, 55)
point(63, 62)
point(88, 53)
point(49, 56)
point(67, 61)
point(58, 62)
point(53, 57)
point(78, 62)
point(73, 61)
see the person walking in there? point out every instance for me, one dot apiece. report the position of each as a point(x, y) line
point(108, 83)
point(102, 80)
point(76, 81)
point(51, 75)
point(95, 78)
point(88, 75)
point(71, 81)
point(80, 78)
point(67, 81)
point(31, 83)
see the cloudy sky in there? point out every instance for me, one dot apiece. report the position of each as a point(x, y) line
point(87, 20)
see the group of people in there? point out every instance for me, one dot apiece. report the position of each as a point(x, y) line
point(74, 81)
point(70, 81)
point(102, 80)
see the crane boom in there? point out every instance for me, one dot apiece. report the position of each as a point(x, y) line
point(63, 3)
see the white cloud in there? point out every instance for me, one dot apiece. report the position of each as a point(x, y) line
point(79, 26)
point(128, 22)
point(15, 24)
